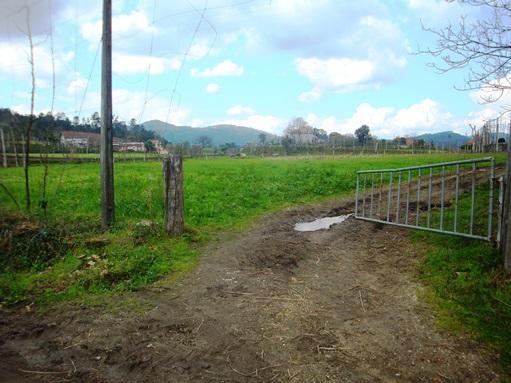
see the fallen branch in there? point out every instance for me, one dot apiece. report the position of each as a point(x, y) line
point(258, 297)
point(361, 301)
point(44, 372)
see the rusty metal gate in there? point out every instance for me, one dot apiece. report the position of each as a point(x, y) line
point(457, 198)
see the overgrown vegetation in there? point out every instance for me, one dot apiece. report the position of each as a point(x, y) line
point(220, 194)
point(466, 283)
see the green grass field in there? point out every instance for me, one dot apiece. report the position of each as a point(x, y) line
point(64, 255)
point(220, 193)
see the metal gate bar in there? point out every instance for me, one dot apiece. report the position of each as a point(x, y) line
point(448, 178)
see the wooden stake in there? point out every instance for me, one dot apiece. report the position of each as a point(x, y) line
point(506, 227)
point(4, 154)
point(13, 140)
point(106, 155)
point(174, 200)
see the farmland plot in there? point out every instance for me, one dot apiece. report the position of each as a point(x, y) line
point(265, 304)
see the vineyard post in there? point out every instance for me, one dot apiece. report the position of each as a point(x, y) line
point(506, 227)
point(4, 154)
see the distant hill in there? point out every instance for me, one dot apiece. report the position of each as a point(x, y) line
point(219, 134)
point(447, 139)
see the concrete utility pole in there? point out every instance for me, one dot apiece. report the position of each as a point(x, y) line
point(106, 154)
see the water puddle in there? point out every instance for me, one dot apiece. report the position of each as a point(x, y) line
point(321, 223)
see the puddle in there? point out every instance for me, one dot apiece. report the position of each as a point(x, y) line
point(321, 223)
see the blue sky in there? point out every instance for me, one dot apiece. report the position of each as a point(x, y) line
point(338, 64)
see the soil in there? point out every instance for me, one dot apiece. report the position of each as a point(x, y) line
point(270, 305)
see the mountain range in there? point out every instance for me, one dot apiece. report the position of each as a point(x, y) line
point(241, 135)
point(446, 139)
point(219, 134)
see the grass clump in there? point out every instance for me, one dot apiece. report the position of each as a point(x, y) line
point(467, 285)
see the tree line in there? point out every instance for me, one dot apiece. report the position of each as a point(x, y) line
point(49, 127)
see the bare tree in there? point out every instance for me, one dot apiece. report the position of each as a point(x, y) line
point(482, 46)
point(28, 131)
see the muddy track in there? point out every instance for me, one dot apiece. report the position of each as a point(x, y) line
point(269, 305)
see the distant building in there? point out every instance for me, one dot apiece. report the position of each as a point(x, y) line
point(134, 146)
point(79, 139)
point(85, 139)
point(158, 147)
point(409, 141)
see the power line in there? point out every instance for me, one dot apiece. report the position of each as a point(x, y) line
point(89, 78)
point(75, 71)
point(52, 58)
point(149, 66)
point(184, 59)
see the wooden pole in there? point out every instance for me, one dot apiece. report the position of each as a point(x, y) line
point(106, 155)
point(174, 199)
point(4, 154)
point(506, 227)
point(13, 140)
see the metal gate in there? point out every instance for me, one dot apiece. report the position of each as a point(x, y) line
point(455, 198)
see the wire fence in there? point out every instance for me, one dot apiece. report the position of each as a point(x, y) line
point(492, 136)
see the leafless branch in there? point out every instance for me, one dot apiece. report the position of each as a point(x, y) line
point(482, 46)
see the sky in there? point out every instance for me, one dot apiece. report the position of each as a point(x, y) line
point(339, 64)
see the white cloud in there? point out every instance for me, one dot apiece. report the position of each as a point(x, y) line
point(77, 84)
point(126, 64)
point(381, 59)
point(312, 95)
point(128, 104)
point(479, 117)
point(225, 68)
point(237, 110)
point(335, 74)
point(14, 60)
point(212, 88)
point(425, 116)
point(123, 26)
point(494, 98)
point(13, 17)
point(438, 12)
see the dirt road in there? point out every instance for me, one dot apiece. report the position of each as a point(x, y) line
point(270, 305)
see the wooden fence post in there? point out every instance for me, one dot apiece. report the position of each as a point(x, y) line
point(4, 154)
point(506, 222)
point(174, 201)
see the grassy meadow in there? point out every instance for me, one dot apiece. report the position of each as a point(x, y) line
point(60, 253)
point(221, 193)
